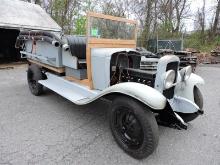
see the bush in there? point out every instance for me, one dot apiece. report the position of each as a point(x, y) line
point(205, 44)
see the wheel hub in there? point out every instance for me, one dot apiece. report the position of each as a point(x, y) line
point(129, 128)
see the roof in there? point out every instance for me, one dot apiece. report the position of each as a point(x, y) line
point(18, 14)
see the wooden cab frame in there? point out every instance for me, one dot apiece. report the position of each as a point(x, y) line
point(93, 42)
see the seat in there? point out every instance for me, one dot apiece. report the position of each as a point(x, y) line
point(77, 46)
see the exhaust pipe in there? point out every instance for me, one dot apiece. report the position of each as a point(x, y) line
point(55, 43)
point(66, 47)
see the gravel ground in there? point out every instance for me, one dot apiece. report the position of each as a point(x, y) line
point(51, 130)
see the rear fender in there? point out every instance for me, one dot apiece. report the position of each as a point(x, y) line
point(145, 94)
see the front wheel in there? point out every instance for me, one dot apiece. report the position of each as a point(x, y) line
point(134, 127)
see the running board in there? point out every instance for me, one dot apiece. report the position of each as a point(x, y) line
point(69, 90)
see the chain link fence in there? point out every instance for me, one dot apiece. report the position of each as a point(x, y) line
point(177, 43)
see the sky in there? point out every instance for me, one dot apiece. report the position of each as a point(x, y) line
point(194, 5)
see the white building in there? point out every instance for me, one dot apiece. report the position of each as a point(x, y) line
point(16, 15)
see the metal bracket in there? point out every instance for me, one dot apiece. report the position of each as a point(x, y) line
point(168, 118)
point(30, 55)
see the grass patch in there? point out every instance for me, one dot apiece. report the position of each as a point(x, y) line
point(195, 41)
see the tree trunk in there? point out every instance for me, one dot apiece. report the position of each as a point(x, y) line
point(203, 22)
point(216, 21)
point(180, 7)
point(147, 23)
point(155, 17)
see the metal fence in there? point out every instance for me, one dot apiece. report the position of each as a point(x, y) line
point(154, 45)
point(177, 43)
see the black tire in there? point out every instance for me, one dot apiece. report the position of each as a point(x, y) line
point(199, 101)
point(34, 74)
point(134, 127)
point(198, 97)
point(193, 68)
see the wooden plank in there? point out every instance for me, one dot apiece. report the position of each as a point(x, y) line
point(111, 41)
point(55, 69)
point(119, 19)
point(88, 54)
point(89, 66)
point(73, 79)
point(111, 46)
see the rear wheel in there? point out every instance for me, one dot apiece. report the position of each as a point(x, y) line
point(34, 74)
point(134, 127)
point(199, 101)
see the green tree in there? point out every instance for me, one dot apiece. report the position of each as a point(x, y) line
point(63, 12)
point(80, 26)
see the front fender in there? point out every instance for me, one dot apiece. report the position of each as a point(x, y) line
point(147, 95)
point(185, 88)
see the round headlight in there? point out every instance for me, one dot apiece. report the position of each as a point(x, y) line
point(169, 79)
point(186, 73)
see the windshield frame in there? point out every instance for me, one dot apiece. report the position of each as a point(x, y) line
point(107, 41)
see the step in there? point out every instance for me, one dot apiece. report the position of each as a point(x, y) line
point(69, 90)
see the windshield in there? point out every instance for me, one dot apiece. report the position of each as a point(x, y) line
point(111, 29)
